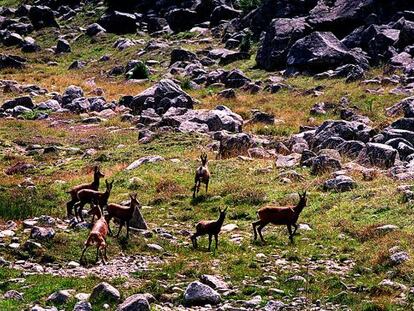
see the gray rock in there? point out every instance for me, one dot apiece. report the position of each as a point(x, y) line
point(380, 155)
point(59, 297)
point(213, 281)
point(137, 302)
point(319, 52)
point(62, 46)
point(143, 160)
point(94, 29)
point(42, 233)
point(234, 145)
point(274, 305)
point(198, 293)
point(13, 294)
point(105, 291)
point(399, 258)
point(340, 183)
point(82, 306)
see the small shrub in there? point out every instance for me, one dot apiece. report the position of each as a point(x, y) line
point(248, 196)
point(140, 71)
point(248, 5)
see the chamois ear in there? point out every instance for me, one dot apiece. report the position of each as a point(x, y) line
point(225, 210)
point(220, 210)
point(106, 183)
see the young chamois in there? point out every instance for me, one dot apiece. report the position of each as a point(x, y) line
point(122, 213)
point(210, 227)
point(90, 196)
point(202, 175)
point(97, 175)
point(97, 236)
point(280, 215)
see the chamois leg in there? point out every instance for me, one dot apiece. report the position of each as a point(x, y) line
point(108, 220)
point(296, 228)
point(194, 239)
point(120, 227)
point(209, 241)
point(69, 207)
point(97, 253)
point(290, 233)
point(194, 189)
point(259, 229)
point(216, 239)
point(206, 187)
point(83, 253)
point(256, 223)
point(80, 209)
point(127, 225)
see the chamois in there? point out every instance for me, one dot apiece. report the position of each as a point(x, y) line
point(97, 236)
point(279, 215)
point(202, 175)
point(97, 175)
point(210, 227)
point(89, 196)
point(122, 213)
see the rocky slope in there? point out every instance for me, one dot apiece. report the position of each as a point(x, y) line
point(283, 95)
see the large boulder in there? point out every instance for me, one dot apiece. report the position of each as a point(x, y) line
point(340, 183)
point(343, 16)
point(198, 293)
point(181, 19)
point(223, 12)
point(42, 233)
point(106, 292)
point(347, 130)
point(259, 19)
point(379, 155)
point(280, 36)
point(161, 97)
point(25, 101)
point(11, 61)
point(235, 145)
point(119, 22)
point(321, 51)
point(42, 16)
point(137, 302)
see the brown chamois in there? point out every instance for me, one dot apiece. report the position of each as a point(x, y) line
point(279, 215)
point(97, 236)
point(89, 196)
point(202, 175)
point(97, 175)
point(122, 213)
point(210, 227)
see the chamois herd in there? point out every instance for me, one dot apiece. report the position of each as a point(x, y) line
point(89, 194)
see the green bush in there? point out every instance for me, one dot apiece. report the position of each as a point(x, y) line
point(248, 5)
point(140, 71)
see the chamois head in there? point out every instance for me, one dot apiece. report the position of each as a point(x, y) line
point(223, 213)
point(109, 186)
point(134, 201)
point(302, 198)
point(204, 159)
point(97, 173)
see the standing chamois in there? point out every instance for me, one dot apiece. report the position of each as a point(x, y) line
point(90, 196)
point(97, 236)
point(202, 175)
point(279, 215)
point(97, 175)
point(122, 213)
point(210, 227)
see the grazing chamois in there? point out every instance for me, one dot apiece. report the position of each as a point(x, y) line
point(90, 196)
point(202, 175)
point(210, 227)
point(122, 213)
point(97, 236)
point(280, 215)
point(97, 175)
